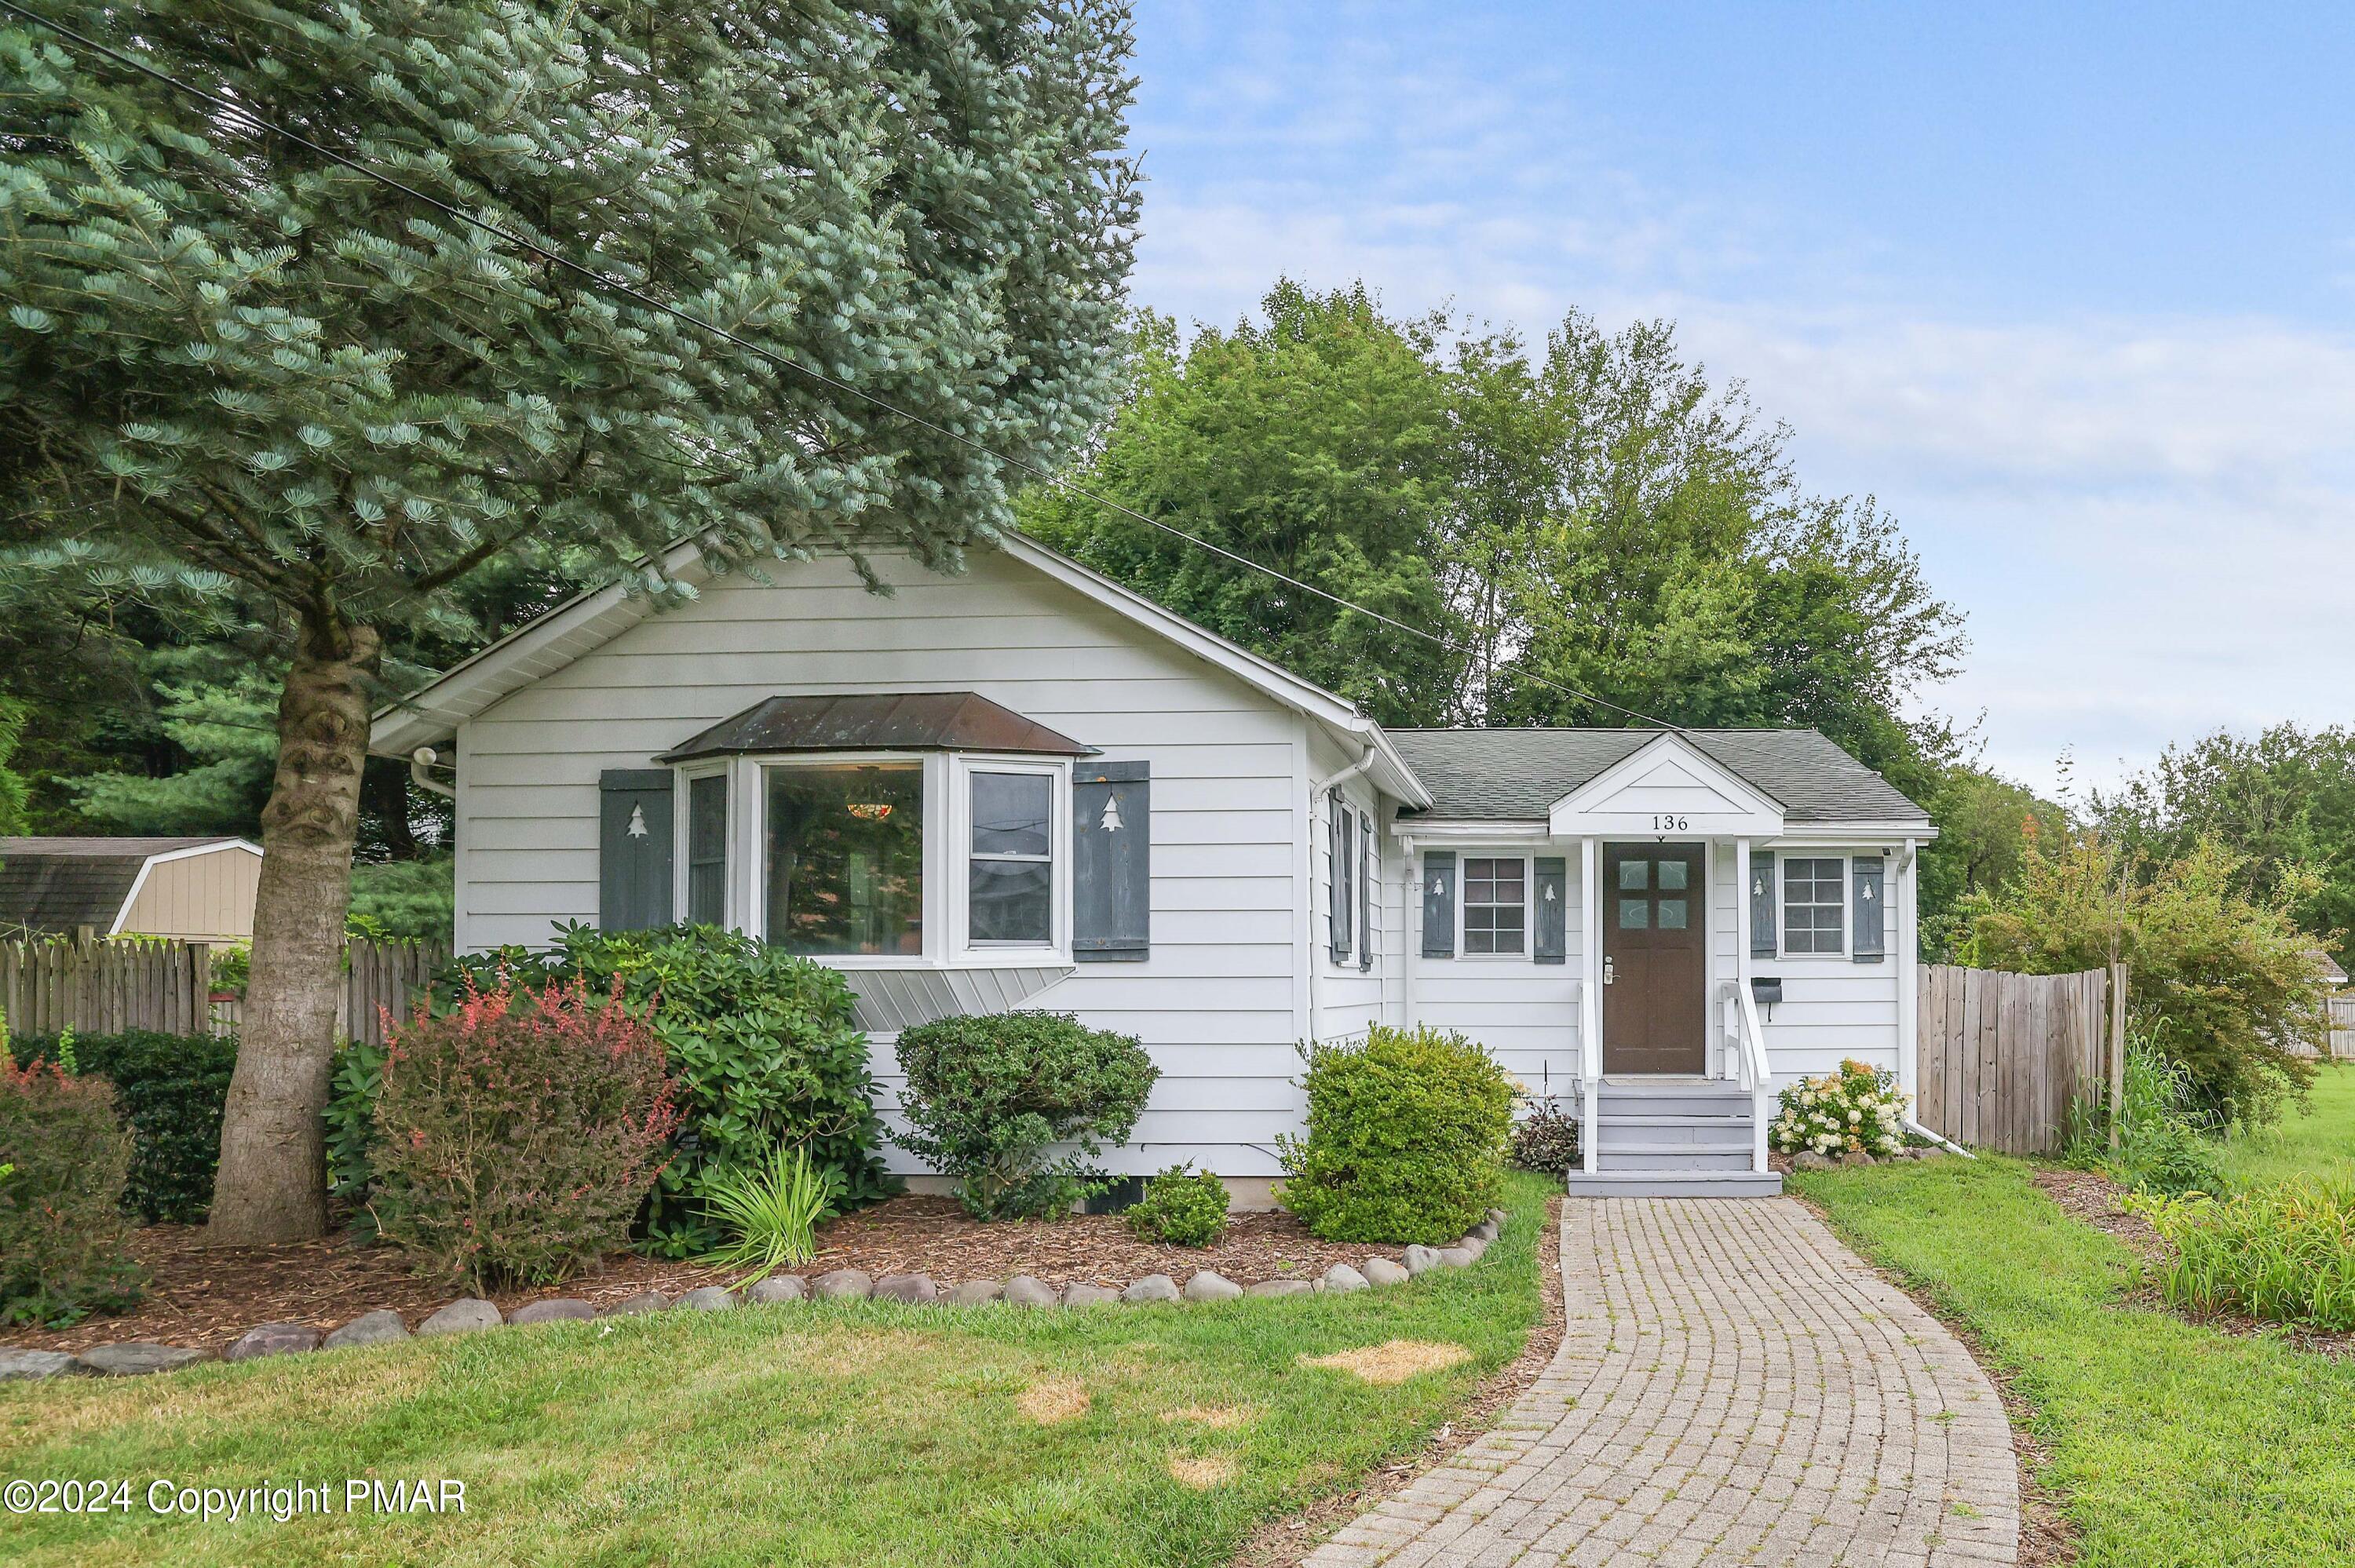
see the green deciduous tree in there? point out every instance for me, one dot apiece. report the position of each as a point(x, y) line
point(2223, 980)
point(2283, 801)
point(229, 363)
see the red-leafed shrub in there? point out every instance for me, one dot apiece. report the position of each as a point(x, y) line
point(519, 1134)
point(63, 1157)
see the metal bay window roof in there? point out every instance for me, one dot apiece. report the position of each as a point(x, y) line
point(887, 721)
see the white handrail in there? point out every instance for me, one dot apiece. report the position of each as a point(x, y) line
point(1752, 1040)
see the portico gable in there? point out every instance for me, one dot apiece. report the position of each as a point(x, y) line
point(1666, 787)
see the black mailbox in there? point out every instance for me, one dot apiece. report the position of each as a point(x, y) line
point(1765, 990)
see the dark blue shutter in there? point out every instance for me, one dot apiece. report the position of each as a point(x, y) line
point(1871, 893)
point(1439, 903)
point(633, 848)
point(1369, 863)
point(1336, 900)
point(1553, 894)
point(1762, 903)
point(1112, 862)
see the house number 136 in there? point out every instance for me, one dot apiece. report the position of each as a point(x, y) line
point(1668, 824)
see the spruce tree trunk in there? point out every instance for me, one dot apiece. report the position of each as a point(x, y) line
point(272, 1185)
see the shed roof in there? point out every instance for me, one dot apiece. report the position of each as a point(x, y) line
point(64, 883)
point(1512, 775)
point(889, 721)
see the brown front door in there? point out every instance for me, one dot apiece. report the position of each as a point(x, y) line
point(1655, 959)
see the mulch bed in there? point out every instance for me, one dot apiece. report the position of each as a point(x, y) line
point(1286, 1541)
point(207, 1296)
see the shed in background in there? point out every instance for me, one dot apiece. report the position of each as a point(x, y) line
point(197, 889)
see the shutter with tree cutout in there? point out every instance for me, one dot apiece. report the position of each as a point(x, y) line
point(1552, 891)
point(633, 848)
point(1870, 888)
point(1111, 861)
point(1762, 903)
point(1439, 903)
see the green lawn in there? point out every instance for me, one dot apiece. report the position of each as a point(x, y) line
point(867, 1434)
point(2174, 1446)
point(2313, 1139)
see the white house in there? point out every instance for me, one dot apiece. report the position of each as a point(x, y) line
point(1027, 785)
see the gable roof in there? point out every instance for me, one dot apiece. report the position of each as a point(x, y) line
point(60, 884)
point(898, 720)
point(1517, 775)
point(589, 620)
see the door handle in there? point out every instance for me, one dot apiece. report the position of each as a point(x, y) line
point(1606, 972)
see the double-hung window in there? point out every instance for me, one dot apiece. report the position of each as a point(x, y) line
point(1010, 861)
point(707, 849)
point(1496, 904)
point(1814, 891)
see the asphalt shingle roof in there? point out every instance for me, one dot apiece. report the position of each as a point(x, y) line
point(58, 884)
point(1518, 774)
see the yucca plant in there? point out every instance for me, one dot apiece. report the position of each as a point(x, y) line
point(774, 1209)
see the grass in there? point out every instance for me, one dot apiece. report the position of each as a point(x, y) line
point(864, 1433)
point(2303, 1143)
point(2174, 1446)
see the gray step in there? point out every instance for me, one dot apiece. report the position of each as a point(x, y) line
point(1674, 1129)
point(1673, 1105)
point(1674, 1184)
point(1673, 1157)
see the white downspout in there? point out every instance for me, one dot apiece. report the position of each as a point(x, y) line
point(1909, 1019)
point(1317, 793)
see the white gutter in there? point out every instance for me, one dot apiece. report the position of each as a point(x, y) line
point(420, 760)
point(1945, 1143)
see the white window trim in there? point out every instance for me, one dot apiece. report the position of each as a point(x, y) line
point(961, 767)
point(1464, 952)
point(1335, 805)
point(683, 838)
point(948, 818)
point(1783, 864)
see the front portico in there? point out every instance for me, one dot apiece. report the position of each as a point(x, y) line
point(1688, 876)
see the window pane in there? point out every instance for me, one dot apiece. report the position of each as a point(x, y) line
point(846, 859)
point(1672, 913)
point(1672, 875)
point(707, 849)
point(1635, 913)
point(1011, 813)
point(1634, 873)
point(1013, 901)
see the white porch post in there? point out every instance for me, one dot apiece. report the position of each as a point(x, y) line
point(1909, 993)
point(1740, 939)
point(1590, 996)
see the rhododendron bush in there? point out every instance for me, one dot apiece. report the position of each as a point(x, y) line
point(1856, 1110)
point(519, 1134)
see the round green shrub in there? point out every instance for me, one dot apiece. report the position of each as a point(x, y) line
point(1181, 1207)
point(168, 1091)
point(62, 1230)
point(989, 1099)
point(1406, 1138)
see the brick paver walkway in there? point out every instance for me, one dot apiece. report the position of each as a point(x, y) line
point(1733, 1387)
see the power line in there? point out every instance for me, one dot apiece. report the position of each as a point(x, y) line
point(238, 111)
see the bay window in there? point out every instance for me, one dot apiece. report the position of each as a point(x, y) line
point(846, 858)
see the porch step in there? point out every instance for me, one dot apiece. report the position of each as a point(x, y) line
point(1742, 1184)
point(1727, 1155)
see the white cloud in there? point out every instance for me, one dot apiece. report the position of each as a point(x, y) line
point(2150, 521)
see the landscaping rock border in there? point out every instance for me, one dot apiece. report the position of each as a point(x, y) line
point(472, 1314)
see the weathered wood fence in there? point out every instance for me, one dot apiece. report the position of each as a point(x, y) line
point(105, 987)
point(2342, 1027)
point(2002, 1057)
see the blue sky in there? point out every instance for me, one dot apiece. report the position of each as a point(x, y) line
point(2070, 289)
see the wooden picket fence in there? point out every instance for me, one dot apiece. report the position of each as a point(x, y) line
point(104, 987)
point(2003, 1057)
point(2342, 1028)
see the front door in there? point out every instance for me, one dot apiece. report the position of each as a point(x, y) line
point(1655, 959)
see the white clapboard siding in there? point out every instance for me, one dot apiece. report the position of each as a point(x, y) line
point(1348, 998)
point(1523, 1013)
point(1219, 1001)
point(1833, 1007)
